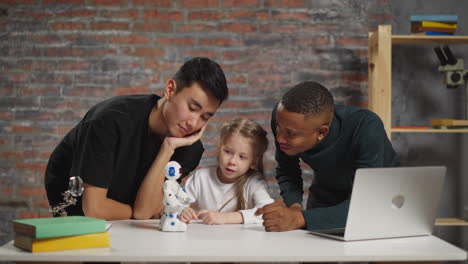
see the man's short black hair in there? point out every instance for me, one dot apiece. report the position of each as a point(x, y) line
point(206, 73)
point(308, 98)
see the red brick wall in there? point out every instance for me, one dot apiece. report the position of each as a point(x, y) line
point(60, 57)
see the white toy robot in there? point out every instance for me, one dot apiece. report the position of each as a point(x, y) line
point(175, 199)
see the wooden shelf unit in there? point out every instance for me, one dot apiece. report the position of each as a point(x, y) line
point(380, 82)
point(417, 39)
point(380, 73)
point(451, 222)
point(428, 130)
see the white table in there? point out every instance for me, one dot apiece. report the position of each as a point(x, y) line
point(134, 241)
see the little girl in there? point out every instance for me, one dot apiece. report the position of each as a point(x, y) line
point(231, 192)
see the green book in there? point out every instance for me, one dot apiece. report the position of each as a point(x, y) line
point(58, 226)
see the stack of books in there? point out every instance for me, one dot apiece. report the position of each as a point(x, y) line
point(449, 123)
point(60, 233)
point(434, 24)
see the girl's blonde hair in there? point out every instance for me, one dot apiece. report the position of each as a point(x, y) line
point(257, 137)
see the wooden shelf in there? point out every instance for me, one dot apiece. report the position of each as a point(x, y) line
point(450, 222)
point(380, 74)
point(421, 39)
point(428, 130)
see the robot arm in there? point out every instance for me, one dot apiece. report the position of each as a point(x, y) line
point(183, 196)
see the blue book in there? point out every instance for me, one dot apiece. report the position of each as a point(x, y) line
point(438, 18)
point(431, 33)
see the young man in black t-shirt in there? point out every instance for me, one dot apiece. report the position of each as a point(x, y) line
point(122, 144)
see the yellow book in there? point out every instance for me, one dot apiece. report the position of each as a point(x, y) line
point(30, 244)
point(432, 24)
point(449, 123)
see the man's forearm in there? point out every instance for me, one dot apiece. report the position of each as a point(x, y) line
point(149, 198)
point(300, 220)
point(290, 192)
point(110, 210)
point(96, 204)
point(291, 184)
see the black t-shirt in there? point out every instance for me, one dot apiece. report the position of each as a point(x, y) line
point(112, 148)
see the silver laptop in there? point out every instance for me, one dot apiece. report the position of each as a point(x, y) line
point(391, 202)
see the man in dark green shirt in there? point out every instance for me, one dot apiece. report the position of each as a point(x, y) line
point(334, 140)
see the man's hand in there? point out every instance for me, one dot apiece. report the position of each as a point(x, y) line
point(211, 217)
point(148, 202)
point(188, 214)
point(277, 217)
point(174, 142)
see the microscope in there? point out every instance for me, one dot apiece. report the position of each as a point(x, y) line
point(455, 75)
point(452, 68)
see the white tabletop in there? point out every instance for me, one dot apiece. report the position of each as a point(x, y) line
point(133, 240)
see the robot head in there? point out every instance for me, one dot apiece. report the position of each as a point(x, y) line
point(172, 170)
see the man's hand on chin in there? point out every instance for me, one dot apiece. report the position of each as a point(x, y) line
point(277, 217)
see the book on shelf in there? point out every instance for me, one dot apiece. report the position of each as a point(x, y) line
point(438, 34)
point(431, 33)
point(417, 27)
point(58, 226)
point(95, 240)
point(410, 127)
point(439, 18)
point(449, 123)
point(434, 24)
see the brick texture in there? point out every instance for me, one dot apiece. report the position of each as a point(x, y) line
point(60, 57)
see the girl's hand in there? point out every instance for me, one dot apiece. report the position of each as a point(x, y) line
point(174, 142)
point(188, 214)
point(211, 217)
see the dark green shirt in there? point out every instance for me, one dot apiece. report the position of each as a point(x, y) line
point(357, 139)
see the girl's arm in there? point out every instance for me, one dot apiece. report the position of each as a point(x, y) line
point(210, 217)
point(258, 195)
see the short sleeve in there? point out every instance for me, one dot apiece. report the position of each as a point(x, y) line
point(94, 155)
